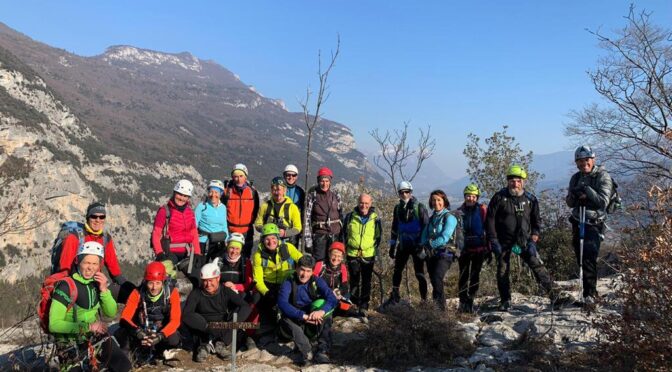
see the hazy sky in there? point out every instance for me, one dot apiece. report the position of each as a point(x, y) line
point(468, 66)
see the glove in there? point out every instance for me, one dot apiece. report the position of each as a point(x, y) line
point(532, 248)
point(393, 251)
point(140, 334)
point(495, 247)
point(120, 279)
point(156, 338)
point(164, 257)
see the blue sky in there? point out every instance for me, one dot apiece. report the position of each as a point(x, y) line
point(461, 67)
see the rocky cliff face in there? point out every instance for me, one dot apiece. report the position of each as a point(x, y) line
point(122, 127)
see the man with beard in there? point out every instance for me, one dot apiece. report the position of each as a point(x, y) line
point(513, 225)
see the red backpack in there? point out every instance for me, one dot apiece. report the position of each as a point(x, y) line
point(48, 287)
point(317, 271)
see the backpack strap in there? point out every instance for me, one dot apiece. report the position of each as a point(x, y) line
point(165, 226)
point(72, 288)
point(318, 268)
point(269, 207)
point(344, 273)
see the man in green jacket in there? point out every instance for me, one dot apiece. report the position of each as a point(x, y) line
point(362, 237)
point(78, 327)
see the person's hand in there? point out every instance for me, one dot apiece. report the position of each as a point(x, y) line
point(98, 327)
point(282, 233)
point(155, 338)
point(140, 334)
point(101, 279)
point(316, 316)
point(495, 247)
point(230, 285)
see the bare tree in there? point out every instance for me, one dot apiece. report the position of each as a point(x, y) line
point(632, 132)
point(396, 152)
point(488, 165)
point(312, 119)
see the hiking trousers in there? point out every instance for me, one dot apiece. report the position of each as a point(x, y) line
point(203, 335)
point(126, 338)
point(591, 251)
point(321, 243)
point(360, 272)
point(470, 265)
point(302, 341)
point(438, 265)
point(400, 261)
point(504, 268)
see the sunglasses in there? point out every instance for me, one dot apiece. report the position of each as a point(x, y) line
point(97, 217)
point(404, 192)
point(290, 175)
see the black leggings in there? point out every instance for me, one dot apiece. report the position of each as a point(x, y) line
point(418, 266)
point(470, 272)
point(438, 266)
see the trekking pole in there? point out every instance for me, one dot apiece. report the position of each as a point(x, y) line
point(233, 344)
point(582, 230)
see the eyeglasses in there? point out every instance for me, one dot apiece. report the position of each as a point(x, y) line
point(97, 217)
point(404, 192)
point(290, 175)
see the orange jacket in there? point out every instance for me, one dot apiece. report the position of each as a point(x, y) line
point(133, 311)
point(241, 207)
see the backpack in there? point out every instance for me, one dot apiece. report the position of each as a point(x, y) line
point(284, 256)
point(320, 265)
point(312, 290)
point(68, 228)
point(615, 202)
point(456, 243)
point(165, 239)
point(276, 219)
point(48, 286)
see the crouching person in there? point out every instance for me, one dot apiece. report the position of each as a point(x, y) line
point(152, 314)
point(335, 274)
point(82, 340)
point(306, 303)
point(206, 311)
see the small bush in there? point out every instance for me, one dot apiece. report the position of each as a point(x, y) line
point(404, 337)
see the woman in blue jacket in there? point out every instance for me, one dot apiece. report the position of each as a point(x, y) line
point(435, 238)
point(211, 221)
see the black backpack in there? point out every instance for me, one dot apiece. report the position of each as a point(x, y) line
point(615, 201)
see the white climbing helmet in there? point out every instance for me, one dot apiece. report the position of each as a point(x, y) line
point(240, 167)
point(184, 187)
point(404, 185)
point(210, 270)
point(291, 168)
point(236, 237)
point(93, 248)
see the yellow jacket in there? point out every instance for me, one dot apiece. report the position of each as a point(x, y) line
point(288, 217)
point(273, 267)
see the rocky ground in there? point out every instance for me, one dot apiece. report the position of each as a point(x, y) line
point(498, 338)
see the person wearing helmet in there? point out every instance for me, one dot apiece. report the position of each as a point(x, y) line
point(513, 225)
point(175, 235)
point(475, 247)
point(322, 223)
point(151, 317)
point(272, 262)
point(209, 306)
point(590, 188)
point(242, 206)
point(410, 217)
point(236, 271)
point(294, 191)
point(280, 210)
point(435, 240)
point(362, 236)
point(298, 320)
point(211, 221)
point(74, 326)
point(94, 231)
point(335, 272)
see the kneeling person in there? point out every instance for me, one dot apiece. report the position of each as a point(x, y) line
point(335, 274)
point(306, 303)
point(207, 308)
point(152, 313)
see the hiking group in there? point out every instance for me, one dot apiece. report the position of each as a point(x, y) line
point(312, 262)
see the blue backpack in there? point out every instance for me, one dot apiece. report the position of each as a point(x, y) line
point(68, 228)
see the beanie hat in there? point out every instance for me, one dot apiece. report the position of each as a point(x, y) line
point(95, 208)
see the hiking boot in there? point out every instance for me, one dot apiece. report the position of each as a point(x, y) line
point(462, 307)
point(303, 359)
point(321, 358)
point(589, 303)
point(562, 301)
point(250, 344)
point(201, 354)
point(222, 350)
point(504, 306)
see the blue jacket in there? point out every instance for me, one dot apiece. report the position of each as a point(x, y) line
point(210, 219)
point(297, 195)
point(408, 222)
point(438, 232)
point(302, 297)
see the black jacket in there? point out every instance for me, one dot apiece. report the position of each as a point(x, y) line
point(512, 219)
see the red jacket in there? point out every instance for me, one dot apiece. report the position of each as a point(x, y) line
point(181, 229)
point(69, 252)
